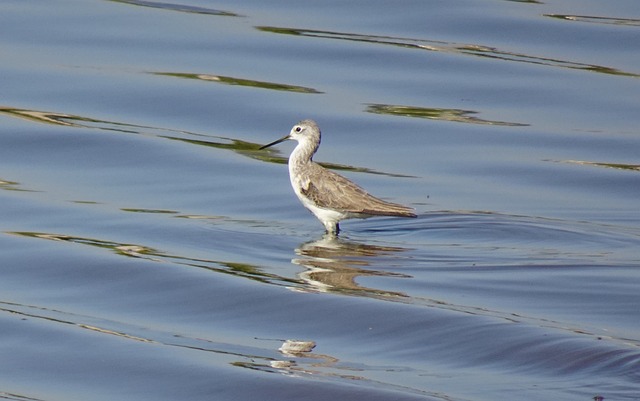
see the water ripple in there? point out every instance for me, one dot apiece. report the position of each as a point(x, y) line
point(240, 82)
point(454, 115)
point(177, 7)
point(596, 19)
point(475, 50)
point(617, 166)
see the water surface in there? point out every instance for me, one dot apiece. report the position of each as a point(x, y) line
point(150, 251)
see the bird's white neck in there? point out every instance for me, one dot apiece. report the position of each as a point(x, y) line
point(303, 153)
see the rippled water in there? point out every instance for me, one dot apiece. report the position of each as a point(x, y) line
point(150, 251)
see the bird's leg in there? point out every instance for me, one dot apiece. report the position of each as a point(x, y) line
point(333, 228)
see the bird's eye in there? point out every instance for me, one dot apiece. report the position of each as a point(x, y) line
point(298, 129)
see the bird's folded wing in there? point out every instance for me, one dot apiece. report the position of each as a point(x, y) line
point(332, 191)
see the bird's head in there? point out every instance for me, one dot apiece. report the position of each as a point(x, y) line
point(304, 131)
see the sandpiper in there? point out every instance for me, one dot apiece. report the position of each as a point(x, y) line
point(329, 196)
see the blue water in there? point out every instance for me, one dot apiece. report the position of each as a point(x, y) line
point(150, 251)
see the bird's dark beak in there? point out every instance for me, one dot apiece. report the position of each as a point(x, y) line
point(284, 138)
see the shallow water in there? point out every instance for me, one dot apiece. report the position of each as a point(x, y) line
point(150, 251)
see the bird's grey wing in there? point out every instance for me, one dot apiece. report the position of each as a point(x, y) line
point(331, 190)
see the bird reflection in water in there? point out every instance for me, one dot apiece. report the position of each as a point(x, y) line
point(333, 264)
